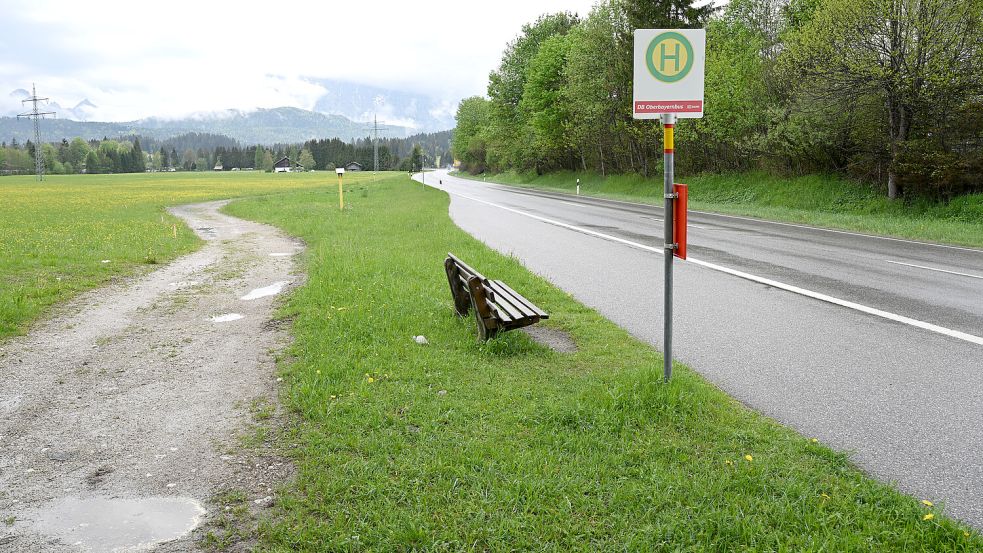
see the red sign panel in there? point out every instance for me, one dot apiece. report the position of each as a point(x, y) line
point(681, 106)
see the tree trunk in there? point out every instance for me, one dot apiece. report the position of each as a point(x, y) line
point(600, 151)
point(892, 182)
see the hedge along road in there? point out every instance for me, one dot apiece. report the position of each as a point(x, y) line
point(117, 414)
point(905, 400)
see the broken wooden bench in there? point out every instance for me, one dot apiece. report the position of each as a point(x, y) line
point(497, 308)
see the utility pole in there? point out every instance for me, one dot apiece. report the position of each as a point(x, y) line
point(375, 128)
point(36, 116)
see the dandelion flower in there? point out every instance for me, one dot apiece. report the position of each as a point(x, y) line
point(371, 380)
point(729, 462)
point(927, 503)
point(748, 458)
point(929, 516)
point(966, 534)
point(815, 440)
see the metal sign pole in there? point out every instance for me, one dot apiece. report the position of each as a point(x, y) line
point(668, 128)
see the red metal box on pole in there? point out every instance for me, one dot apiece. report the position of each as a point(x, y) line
point(679, 220)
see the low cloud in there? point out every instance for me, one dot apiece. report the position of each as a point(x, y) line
point(187, 57)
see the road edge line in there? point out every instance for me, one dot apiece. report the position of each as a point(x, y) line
point(747, 276)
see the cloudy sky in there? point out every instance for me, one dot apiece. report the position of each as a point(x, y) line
point(171, 58)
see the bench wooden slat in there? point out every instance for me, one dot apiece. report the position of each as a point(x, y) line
point(467, 268)
point(527, 304)
point(508, 302)
point(505, 312)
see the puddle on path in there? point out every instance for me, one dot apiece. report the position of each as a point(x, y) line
point(226, 318)
point(208, 232)
point(107, 524)
point(270, 290)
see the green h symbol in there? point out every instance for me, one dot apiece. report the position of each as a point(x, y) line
point(665, 57)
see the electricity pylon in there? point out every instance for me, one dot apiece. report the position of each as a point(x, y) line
point(36, 116)
point(375, 128)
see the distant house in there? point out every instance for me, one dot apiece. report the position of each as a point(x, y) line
point(218, 167)
point(353, 166)
point(285, 165)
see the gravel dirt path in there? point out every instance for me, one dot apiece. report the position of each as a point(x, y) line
point(119, 415)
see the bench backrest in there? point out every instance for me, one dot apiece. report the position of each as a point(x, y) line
point(465, 270)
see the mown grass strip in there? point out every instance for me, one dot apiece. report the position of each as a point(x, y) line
point(507, 445)
point(816, 200)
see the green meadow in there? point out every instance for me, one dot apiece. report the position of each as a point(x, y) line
point(71, 233)
point(457, 445)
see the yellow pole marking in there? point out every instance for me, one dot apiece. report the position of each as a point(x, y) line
point(341, 194)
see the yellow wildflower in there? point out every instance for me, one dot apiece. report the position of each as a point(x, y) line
point(824, 496)
point(815, 440)
point(748, 458)
point(371, 380)
point(929, 516)
point(729, 462)
point(927, 503)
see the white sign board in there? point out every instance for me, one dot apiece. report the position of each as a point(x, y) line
point(340, 171)
point(669, 68)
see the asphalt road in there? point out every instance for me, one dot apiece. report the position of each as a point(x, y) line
point(872, 345)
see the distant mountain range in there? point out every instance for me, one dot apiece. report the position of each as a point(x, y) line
point(83, 111)
point(262, 126)
point(361, 102)
point(345, 110)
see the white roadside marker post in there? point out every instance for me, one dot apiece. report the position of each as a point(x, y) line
point(341, 192)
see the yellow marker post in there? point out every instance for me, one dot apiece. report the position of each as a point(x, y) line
point(341, 191)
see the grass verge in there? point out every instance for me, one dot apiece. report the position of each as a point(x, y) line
point(72, 233)
point(813, 200)
point(508, 445)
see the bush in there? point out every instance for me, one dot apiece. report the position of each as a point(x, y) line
point(925, 171)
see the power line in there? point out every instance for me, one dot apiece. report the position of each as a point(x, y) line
point(36, 116)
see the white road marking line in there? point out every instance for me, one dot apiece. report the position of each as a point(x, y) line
point(970, 275)
point(807, 227)
point(747, 276)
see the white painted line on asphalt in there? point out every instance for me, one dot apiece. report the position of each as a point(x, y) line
point(754, 278)
point(935, 269)
point(844, 303)
point(755, 220)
